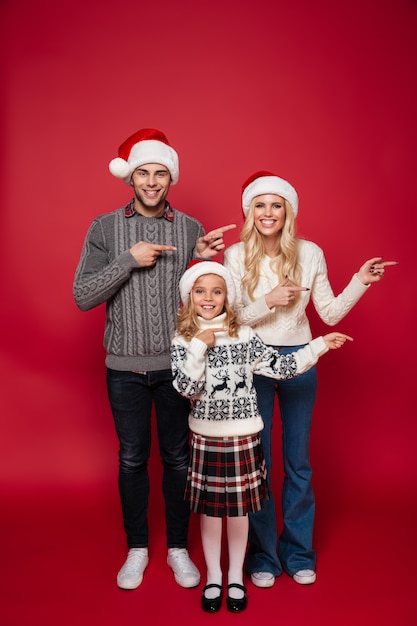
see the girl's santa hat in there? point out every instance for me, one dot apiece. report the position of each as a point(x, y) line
point(261, 183)
point(145, 146)
point(198, 268)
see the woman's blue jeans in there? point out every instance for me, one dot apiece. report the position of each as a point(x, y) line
point(294, 550)
point(132, 396)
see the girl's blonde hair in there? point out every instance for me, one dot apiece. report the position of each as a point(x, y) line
point(187, 322)
point(284, 264)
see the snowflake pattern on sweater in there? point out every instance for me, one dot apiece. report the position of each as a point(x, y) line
point(219, 380)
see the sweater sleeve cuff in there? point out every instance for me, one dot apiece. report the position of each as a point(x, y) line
point(198, 347)
point(319, 346)
point(127, 261)
point(357, 285)
point(261, 308)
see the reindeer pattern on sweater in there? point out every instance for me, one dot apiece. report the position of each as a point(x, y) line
point(218, 380)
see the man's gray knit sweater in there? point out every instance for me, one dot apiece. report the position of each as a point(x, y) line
point(141, 302)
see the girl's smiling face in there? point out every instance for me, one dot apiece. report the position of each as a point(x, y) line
point(208, 296)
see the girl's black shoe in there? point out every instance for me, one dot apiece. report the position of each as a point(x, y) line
point(236, 605)
point(211, 605)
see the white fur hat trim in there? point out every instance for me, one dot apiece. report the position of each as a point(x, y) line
point(269, 184)
point(201, 268)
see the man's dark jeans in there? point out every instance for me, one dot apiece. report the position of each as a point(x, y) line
point(132, 396)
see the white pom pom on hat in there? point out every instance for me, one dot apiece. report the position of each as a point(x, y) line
point(198, 268)
point(119, 168)
point(264, 182)
point(145, 146)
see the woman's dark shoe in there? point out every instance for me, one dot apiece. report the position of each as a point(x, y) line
point(211, 605)
point(236, 605)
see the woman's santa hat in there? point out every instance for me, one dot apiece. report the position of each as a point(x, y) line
point(261, 183)
point(145, 146)
point(198, 268)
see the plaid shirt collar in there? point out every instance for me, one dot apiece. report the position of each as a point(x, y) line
point(168, 213)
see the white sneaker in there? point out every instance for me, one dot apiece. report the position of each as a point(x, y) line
point(305, 577)
point(263, 579)
point(185, 572)
point(131, 574)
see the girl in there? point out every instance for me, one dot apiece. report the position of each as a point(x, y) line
point(213, 362)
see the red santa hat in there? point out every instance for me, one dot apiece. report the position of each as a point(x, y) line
point(145, 146)
point(198, 268)
point(263, 182)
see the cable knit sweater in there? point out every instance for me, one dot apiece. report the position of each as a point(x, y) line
point(141, 302)
point(219, 380)
point(289, 326)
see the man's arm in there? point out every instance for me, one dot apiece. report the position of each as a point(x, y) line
point(98, 277)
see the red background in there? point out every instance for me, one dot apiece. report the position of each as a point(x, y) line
point(324, 94)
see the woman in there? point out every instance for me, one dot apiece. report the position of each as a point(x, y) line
point(276, 273)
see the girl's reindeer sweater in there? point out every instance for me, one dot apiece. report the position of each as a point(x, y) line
point(219, 380)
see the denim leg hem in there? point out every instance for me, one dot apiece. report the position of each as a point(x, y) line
point(294, 569)
point(263, 569)
point(254, 565)
point(298, 569)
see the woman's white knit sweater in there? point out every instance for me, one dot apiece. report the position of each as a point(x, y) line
point(219, 380)
point(289, 326)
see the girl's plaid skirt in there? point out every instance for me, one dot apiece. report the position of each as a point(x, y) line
point(226, 477)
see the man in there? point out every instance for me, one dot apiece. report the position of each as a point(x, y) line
point(133, 259)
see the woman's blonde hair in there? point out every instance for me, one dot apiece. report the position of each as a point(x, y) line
point(284, 264)
point(187, 322)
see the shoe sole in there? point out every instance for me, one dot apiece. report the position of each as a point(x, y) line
point(263, 584)
point(130, 587)
point(304, 580)
point(186, 585)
